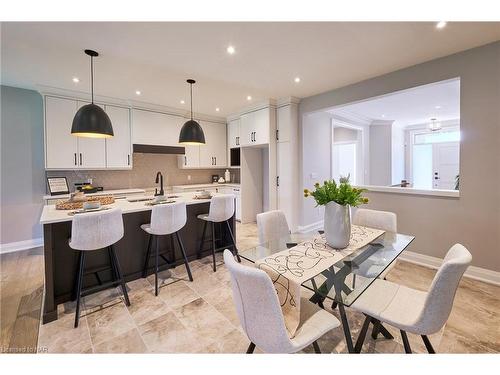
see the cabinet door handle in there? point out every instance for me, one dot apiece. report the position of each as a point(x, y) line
point(80, 158)
point(128, 159)
point(215, 160)
point(75, 159)
point(255, 136)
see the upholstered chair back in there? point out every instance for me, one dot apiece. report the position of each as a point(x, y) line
point(382, 220)
point(168, 218)
point(96, 230)
point(258, 307)
point(272, 225)
point(439, 300)
point(221, 207)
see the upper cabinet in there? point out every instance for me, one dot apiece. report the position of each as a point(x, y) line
point(65, 151)
point(155, 128)
point(233, 133)
point(213, 152)
point(255, 127)
point(119, 148)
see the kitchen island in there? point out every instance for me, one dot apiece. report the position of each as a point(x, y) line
point(61, 260)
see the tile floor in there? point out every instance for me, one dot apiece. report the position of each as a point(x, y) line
point(199, 316)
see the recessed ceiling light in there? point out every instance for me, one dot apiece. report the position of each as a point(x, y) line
point(217, 109)
point(249, 97)
point(297, 79)
point(438, 107)
point(230, 50)
point(137, 92)
point(76, 79)
point(383, 115)
point(441, 24)
point(182, 102)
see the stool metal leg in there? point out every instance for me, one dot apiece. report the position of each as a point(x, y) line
point(234, 242)
point(213, 245)
point(156, 263)
point(146, 261)
point(79, 287)
point(202, 239)
point(181, 245)
point(118, 272)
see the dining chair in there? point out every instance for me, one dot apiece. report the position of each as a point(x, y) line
point(414, 311)
point(272, 225)
point(383, 220)
point(261, 317)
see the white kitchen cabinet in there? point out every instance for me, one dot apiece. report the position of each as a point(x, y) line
point(119, 147)
point(255, 127)
point(61, 148)
point(191, 158)
point(213, 152)
point(233, 133)
point(91, 151)
point(155, 128)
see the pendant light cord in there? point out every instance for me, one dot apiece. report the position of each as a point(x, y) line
point(191, 87)
point(92, 77)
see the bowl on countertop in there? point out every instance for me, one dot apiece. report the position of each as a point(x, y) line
point(91, 205)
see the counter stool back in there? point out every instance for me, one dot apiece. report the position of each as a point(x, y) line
point(166, 220)
point(221, 210)
point(95, 231)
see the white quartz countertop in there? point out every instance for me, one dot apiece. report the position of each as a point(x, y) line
point(104, 192)
point(51, 215)
point(199, 186)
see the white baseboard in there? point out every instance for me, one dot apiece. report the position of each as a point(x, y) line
point(310, 227)
point(20, 245)
point(472, 272)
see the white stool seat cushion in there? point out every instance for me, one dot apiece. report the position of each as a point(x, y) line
point(221, 208)
point(166, 219)
point(314, 323)
point(96, 230)
point(392, 303)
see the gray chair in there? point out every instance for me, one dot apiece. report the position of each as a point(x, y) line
point(91, 232)
point(414, 311)
point(261, 317)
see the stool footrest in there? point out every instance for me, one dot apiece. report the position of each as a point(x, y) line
point(98, 288)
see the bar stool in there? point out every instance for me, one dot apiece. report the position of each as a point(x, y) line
point(95, 231)
point(166, 219)
point(221, 210)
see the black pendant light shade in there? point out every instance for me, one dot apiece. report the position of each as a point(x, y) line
point(91, 120)
point(191, 132)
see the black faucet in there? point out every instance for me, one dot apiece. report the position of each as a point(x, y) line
point(159, 178)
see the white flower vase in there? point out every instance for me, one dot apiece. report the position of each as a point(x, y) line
point(337, 225)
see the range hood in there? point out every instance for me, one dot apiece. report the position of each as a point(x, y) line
point(157, 149)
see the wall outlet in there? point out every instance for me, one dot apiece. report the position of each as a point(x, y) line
point(313, 175)
point(189, 177)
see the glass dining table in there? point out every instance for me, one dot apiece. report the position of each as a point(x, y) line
point(346, 280)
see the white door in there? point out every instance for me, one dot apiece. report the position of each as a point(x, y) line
point(60, 146)
point(261, 120)
point(91, 151)
point(286, 200)
point(191, 156)
point(118, 148)
point(446, 157)
point(213, 152)
point(155, 128)
point(344, 157)
point(246, 129)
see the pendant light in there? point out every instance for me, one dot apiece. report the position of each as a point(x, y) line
point(434, 125)
point(91, 121)
point(191, 132)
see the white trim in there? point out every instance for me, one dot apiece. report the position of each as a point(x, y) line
point(20, 245)
point(400, 190)
point(310, 227)
point(472, 272)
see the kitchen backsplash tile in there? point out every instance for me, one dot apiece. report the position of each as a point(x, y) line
point(143, 174)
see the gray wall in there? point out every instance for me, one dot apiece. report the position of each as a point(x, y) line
point(381, 155)
point(22, 175)
point(438, 223)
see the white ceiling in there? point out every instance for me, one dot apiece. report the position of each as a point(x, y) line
point(157, 58)
point(418, 105)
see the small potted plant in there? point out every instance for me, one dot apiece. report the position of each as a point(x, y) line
point(337, 199)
